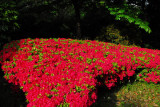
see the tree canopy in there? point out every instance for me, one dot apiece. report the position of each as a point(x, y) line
point(74, 18)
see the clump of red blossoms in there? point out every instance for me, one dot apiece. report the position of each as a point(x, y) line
point(63, 72)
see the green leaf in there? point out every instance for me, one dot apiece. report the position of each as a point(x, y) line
point(130, 14)
point(21, 87)
point(45, 3)
point(126, 16)
point(78, 88)
point(115, 64)
point(82, 14)
point(54, 90)
point(149, 30)
point(102, 2)
point(30, 58)
point(63, 105)
point(15, 17)
point(131, 20)
point(121, 11)
point(145, 71)
point(17, 25)
point(113, 13)
point(138, 22)
point(118, 17)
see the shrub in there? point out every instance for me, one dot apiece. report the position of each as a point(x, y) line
point(65, 72)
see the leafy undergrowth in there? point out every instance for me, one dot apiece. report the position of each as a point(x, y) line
point(10, 96)
point(65, 72)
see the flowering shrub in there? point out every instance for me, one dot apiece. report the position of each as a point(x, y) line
point(63, 72)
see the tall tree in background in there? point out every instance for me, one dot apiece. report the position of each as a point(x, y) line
point(119, 8)
point(40, 11)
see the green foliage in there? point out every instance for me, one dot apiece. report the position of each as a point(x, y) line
point(30, 58)
point(138, 94)
point(111, 34)
point(89, 60)
point(8, 20)
point(54, 17)
point(8, 16)
point(78, 88)
point(129, 13)
point(64, 105)
point(114, 34)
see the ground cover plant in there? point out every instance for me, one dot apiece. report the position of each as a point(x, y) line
point(66, 72)
point(130, 94)
point(144, 95)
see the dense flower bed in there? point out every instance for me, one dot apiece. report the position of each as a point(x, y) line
point(63, 72)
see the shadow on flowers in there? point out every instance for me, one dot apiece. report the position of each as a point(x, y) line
point(106, 98)
point(10, 95)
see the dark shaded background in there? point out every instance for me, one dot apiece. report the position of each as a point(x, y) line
point(57, 19)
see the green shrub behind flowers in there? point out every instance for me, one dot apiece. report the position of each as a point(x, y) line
point(63, 72)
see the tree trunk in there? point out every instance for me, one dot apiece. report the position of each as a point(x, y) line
point(77, 13)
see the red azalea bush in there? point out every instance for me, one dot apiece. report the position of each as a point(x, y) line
point(63, 72)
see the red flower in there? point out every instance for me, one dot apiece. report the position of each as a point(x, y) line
point(58, 71)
